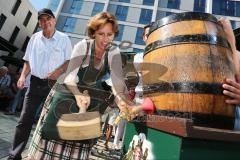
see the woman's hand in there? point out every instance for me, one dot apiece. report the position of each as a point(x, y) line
point(126, 109)
point(83, 101)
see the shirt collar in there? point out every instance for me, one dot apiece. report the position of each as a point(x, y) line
point(54, 37)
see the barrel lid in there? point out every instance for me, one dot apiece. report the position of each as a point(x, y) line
point(237, 36)
point(182, 17)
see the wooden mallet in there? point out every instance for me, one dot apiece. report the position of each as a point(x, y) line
point(79, 126)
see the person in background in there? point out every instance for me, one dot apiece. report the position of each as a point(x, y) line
point(232, 86)
point(5, 79)
point(46, 58)
point(7, 87)
point(19, 97)
point(136, 94)
point(138, 60)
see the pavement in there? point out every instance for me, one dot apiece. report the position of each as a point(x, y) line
point(7, 129)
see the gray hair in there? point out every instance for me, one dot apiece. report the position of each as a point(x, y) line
point(4, 68)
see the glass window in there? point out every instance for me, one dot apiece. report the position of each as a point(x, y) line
point(98, 7)
point(69, 24)
point(238, 10)
point(14, 35)
point(127, 1)
point(54, 5)
point(137, 50)
point(120, 33)
point(226, 7)
point(16, 6)
point(174, 4)
point(148, 2)
point(76, 6)
point(233, 23)
point(146, 16)
point(29, 15)
point(121, 13)
point(199, 5)
point(162, 14)
point(139, 37)
point(2, 20)
point(36, 29)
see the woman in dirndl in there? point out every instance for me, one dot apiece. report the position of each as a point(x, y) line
point(91, 60)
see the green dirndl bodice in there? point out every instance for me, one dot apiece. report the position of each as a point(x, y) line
point(89, 77)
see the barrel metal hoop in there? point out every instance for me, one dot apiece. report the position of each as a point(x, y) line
point(188, 39)
point(186, 16)
point(184, 87)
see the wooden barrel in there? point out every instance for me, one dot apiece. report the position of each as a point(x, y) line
point(186, 61)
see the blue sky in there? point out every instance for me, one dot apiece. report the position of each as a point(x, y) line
point(39, 4)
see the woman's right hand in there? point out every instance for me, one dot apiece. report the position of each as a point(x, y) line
point(83, 101)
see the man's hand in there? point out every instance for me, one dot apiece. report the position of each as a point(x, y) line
point(232, 90)
point(20, 83)
point(54, 75)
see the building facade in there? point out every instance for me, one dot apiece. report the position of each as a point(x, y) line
point(132, 15)
point(18, 21)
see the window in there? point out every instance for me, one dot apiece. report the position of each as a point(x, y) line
point(162, 14)
point(148, 2)
point(199, 5)
point(169, 13)
point(36, 28)
point(137, 50)
point(120, 33)
point(16, 6)
point(25, 44)
point(76, 6)
point(98, 7)
point(146, 16)
point(2, 20)
point(69, 24)
point(14, 35)
point(174, 4)
point(54, 5)
point(233, 23)
point(238, 10)
point(225, 7)
point(27, 18)
point(139, 39)
point(121, 13)
point(127, 1)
